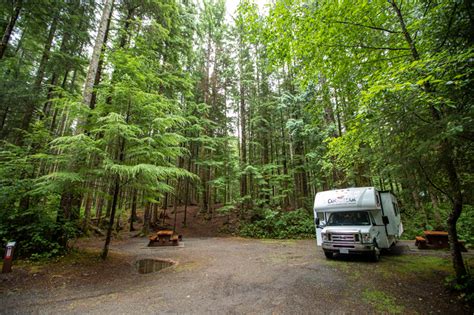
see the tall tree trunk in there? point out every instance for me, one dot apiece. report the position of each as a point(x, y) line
point(117, 180)
point(175, 206)
point(243, 142)
point(108, 237)
point(457, 205)
point(52, 126)
point(133, 215)
point(100, 65)
point(3, 119)
point(98, 209)
point(186, 193)
point(87, 212)
point(70, 205)
point(146, 219)
point(31, 108)
point(94, 63)
point(9, 29)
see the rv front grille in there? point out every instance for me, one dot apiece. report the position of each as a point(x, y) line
point(344, 238)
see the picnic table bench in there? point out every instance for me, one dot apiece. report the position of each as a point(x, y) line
point(435, 240)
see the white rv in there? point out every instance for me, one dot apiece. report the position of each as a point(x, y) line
point(356, 221)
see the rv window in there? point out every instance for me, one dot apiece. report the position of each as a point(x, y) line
point(349, 218)
point(395, 207)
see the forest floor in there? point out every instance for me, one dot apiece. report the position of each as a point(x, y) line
point(217, 274)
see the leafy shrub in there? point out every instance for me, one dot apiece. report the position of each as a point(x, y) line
point(465, 287)
point(274, 224)
point(466, 226)
point(34, 226)
point(36, 233)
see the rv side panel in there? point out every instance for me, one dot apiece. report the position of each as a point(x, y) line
point(391, 210)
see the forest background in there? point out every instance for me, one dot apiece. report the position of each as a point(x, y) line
point(110, 109)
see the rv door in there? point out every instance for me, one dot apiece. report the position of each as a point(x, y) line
point(319, 224)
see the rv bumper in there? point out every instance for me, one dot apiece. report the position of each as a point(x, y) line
point(351, 248)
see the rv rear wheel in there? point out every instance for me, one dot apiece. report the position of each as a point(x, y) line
point(328, 254)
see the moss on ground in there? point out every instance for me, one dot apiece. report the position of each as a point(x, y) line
point(382, 302)
point(421, 265)
point(407, 267)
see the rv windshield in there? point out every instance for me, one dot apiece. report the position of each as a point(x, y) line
point(349, 218)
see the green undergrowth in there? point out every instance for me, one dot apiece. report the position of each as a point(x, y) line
point(280, 225)
point(464, 288)
point(37, 233)
point(420, 265)
point(382, 302)
point(424, 268)
point(399, 266)
point(73, 257)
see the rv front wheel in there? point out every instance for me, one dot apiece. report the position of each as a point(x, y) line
point(375, 255)
point(328, 254)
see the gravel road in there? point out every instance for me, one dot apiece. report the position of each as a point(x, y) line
point(235, 276)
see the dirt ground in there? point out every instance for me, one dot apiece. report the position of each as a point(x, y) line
point(230, 275)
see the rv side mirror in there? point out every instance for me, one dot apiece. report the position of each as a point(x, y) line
point(385, 220)
point(316, 221)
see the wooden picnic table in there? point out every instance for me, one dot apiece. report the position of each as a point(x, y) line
point(437, 239)
point(164, 237)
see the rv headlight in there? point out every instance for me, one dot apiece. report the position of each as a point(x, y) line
point(325, 236)
point(366, 238)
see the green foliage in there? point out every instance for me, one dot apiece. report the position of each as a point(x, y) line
point(275, 224)
point(34, 228)
point(464, 287)
point(415, 222)
point(466, 225)
point(382, 302)
point(36, 232)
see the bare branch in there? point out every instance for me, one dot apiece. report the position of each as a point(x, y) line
point(368, 47)
point(385, 59)
point(367, 26)
point(432, 184)
point(450, 23)
point(408, 38)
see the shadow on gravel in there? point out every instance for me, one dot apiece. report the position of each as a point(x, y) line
point(397, 250)
point(352, 257)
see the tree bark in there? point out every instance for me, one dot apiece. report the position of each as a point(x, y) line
point(243, 143)
point(146, 219)
point(87, 213)
point(105, 251)
point(94, 63)
point(9, 29)
point(457, 205)
point(121, 158)
point(31, 108)
point(133, 215)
